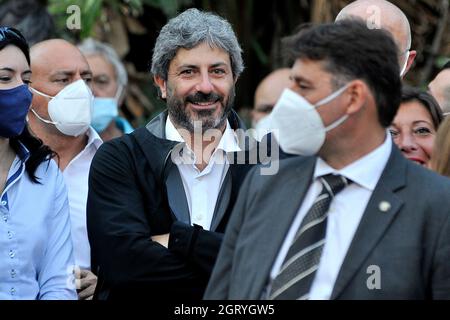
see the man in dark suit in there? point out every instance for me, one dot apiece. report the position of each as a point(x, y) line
point(160, 198)
point(351, 218)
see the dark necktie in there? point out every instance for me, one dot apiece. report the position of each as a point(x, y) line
point(297, 273)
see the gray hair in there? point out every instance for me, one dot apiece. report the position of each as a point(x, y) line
point(92, 47)
point(189, 29)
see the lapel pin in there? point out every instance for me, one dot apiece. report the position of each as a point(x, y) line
point(384, 206)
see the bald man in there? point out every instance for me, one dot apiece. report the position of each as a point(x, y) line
point(440, 88)
point(384, 14)
point(267, 94)
point(60, 115)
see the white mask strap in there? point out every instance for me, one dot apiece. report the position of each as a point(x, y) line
point(42, 119)
point(331, 97)
point(41, 93)
point(402, 72)
point(337, 123)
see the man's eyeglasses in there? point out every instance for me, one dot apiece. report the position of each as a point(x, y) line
point(8, 32)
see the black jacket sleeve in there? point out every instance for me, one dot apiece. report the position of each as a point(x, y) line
point(197, 246)
point(120, 228)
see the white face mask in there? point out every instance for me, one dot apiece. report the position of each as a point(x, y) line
point(263, 127)
point(402, 73)
point(298, 126)
point(71, 109)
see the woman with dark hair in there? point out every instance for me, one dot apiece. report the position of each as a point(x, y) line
point(36, 249)
point(415, 125)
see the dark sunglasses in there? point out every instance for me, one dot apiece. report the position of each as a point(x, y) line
point(11, 33)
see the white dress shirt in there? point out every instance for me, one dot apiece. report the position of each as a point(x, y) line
point(76, 177)
point(344, 216)
point(202, 187)
point(36, 257)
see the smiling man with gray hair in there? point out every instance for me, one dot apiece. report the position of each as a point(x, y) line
point(161, 197)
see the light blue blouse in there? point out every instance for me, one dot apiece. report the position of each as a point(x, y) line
point(36, 259)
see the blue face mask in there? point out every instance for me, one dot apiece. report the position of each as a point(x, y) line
point(105, 110)
point(14, 105)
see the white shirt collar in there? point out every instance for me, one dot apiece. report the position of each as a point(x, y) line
point(93, 139)
point(227, 143)
point(365, 171)
point(171, 132)
point(94, 142)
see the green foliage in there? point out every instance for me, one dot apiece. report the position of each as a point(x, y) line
point(260, 53)
point(441, 61)
point(90, 11)
point(169, 7)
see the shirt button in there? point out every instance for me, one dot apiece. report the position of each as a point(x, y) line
point(10, 235)
point(4, 203)
point(11, 254)
point(13, 273)
point(13, 291)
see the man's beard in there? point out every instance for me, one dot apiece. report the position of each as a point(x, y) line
point(181, 116)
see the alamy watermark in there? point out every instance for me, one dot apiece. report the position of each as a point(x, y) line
point(374, 280)
point(73, 22)
point(374, 19)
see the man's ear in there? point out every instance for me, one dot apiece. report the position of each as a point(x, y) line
point(162, 85)
point(358, 94)
point(411, 58)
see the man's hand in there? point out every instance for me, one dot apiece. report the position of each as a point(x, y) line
point(162, 239)
point(85, 281)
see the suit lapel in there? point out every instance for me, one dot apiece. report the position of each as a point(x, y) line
point(177, 196)
point(222, 202)
point(381, 210)
point(279, 220)
point(238, 168)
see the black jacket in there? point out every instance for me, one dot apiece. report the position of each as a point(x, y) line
point(135, 191)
